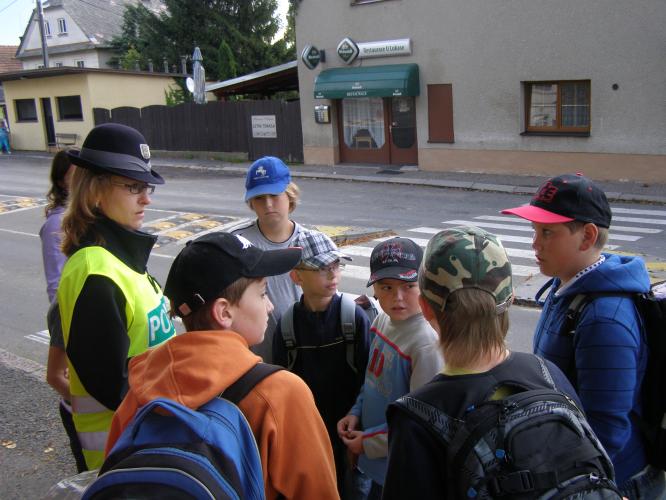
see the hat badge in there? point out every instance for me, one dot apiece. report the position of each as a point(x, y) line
point(261, 171)
point(145, 151)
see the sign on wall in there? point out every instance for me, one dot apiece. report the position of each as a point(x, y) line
point(402, 47)
point(348, 50)
point(264, 127)
point(311, 56)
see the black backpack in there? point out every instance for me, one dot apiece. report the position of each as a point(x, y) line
point(651, 307)
point(347, 324)
point(533, 444)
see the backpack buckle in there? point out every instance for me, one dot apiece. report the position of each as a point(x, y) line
point(516, 482)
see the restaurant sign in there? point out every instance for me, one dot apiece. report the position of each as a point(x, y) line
point(401, 47)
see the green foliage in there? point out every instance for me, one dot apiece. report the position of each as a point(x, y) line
point(245, 27)
point(131, 60)
point(226, 63)
point(177, 94)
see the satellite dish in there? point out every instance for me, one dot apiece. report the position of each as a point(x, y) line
point(189, 83)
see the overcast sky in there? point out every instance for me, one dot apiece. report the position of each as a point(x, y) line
point(14, 16)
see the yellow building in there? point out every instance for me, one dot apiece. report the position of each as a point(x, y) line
point(54, 106)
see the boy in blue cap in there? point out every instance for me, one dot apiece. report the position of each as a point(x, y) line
point(272, 195)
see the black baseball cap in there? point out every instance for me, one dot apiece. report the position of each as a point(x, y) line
point(566, 198)
point(208, 265)
point(116, 149)
point(397, 258)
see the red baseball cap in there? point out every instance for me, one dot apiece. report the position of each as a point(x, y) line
point(566, 198)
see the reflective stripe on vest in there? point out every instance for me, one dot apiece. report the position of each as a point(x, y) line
point(148, 325)
point(87, 404)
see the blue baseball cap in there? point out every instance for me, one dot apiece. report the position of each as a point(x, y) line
point(267, 175)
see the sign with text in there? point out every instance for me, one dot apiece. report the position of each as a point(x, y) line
point(264, 127)
point(311, 56)
point(402, 47)
point(347, 50)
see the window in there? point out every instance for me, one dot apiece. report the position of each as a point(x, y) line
point(47, 29)
point(26, 111)
point(562, 107)
point(62, 26)
point(363, 122)
point(69, 107)
point(80, 64)
point(440, 113)
point(58, 65)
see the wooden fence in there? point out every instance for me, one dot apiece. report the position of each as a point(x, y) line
point(258, 128)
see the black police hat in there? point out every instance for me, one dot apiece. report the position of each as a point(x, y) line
point(116, 149)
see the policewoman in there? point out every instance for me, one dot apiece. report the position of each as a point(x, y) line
point(111, 308)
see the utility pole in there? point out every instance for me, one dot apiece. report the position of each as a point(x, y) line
point(40, 14)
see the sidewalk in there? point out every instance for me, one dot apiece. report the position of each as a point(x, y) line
point(617, 191)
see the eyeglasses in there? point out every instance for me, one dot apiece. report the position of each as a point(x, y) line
point(335, 268)
point(137, 188)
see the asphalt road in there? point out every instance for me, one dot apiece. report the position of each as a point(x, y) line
point(33, 451)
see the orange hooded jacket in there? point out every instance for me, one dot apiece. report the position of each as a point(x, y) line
point(193, 368)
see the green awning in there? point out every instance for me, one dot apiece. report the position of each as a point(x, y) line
point(368, 81)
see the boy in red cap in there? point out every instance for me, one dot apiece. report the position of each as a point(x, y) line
point(605, 357)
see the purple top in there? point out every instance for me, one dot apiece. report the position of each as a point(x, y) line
point(54, 259)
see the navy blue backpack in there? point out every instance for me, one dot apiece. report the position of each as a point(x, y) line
point(180, 453)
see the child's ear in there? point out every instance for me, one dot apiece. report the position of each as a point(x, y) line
point(222, 313)
point(295, 277)
point(428, 313)
point(590, 235)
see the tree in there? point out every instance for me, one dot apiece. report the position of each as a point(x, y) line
point(246, 27)
point(226, 63)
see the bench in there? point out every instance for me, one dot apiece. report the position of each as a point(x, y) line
point(64, 140)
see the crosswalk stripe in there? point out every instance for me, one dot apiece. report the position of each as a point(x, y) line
point(641, 220)
point(643, 230)
point(504, 237)
point(638, 211)
point(356, 251)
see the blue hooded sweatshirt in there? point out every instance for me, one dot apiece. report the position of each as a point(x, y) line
point(606, 358)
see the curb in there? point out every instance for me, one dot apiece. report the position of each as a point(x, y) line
point(414, 181)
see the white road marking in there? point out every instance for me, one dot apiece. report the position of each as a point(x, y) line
point(504, 237)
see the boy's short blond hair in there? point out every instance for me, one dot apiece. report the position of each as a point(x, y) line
point(470, 328)
point(293, 193)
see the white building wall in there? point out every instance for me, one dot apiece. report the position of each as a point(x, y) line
point(486, 49)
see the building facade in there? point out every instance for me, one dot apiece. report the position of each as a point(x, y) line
point(77, 33)
point(45, 105)
point(524, 86)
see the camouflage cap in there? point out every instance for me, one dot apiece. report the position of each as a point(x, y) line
point(465, 257)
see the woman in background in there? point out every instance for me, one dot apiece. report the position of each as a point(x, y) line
point(54, 260)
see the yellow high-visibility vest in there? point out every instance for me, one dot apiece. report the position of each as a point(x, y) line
point(148, 322)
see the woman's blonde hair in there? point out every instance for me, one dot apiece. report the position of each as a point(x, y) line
point(86, 192)
point(470, 328)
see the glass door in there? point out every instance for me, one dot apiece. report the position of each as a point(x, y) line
point(403, 131)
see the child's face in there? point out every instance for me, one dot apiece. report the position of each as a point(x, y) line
point(271, 209)
point(399, 299)
point(558, 250)
point(322, 283)
point(250, 316)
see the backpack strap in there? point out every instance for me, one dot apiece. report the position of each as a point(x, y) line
point(239, 389)
point(546, 286)
point(348, 324)
point(289, 336)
